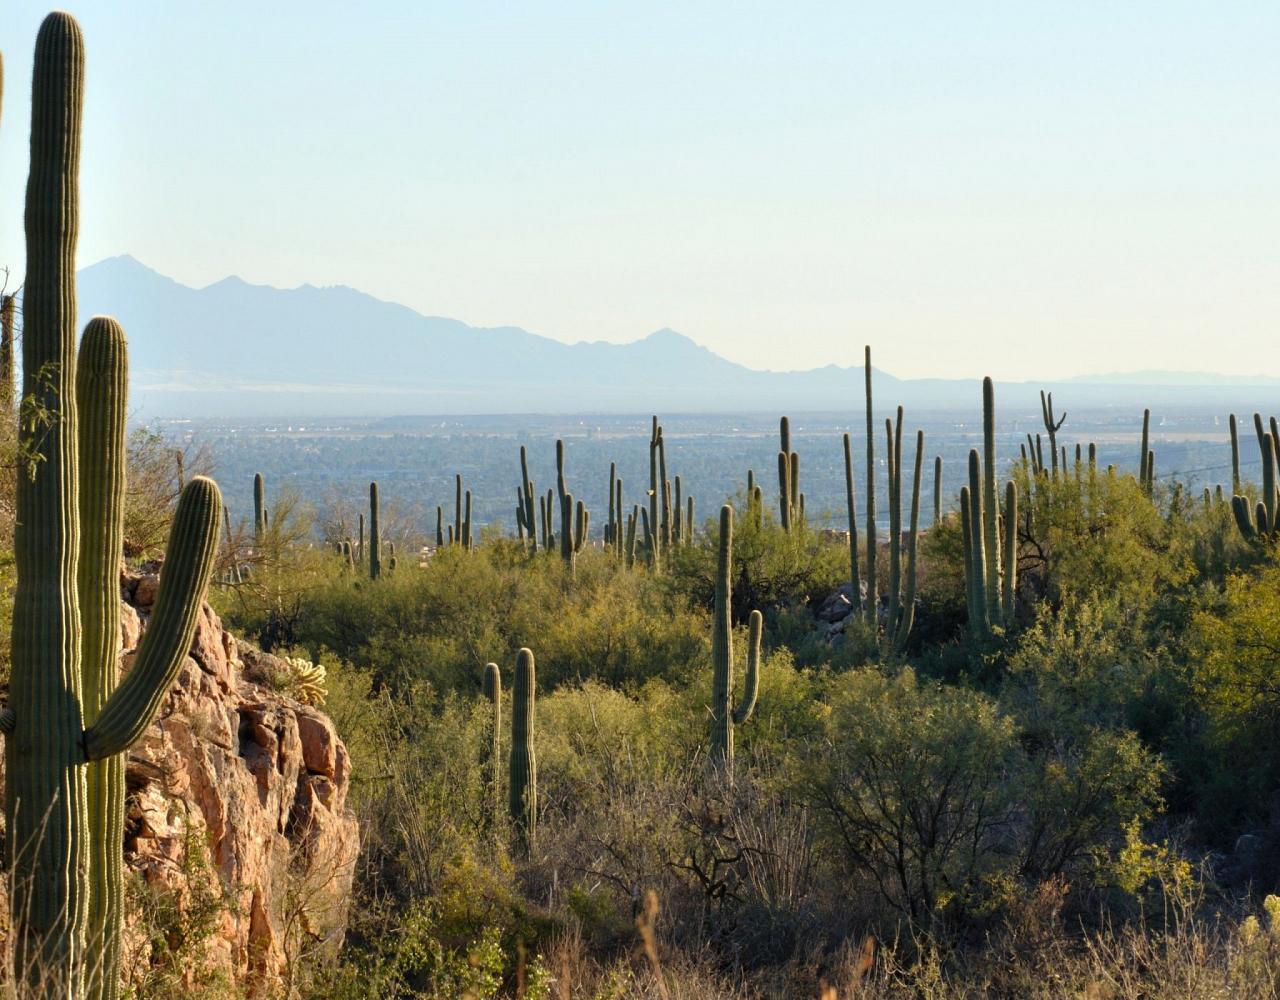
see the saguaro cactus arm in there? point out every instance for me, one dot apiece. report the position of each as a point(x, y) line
point(102, 381)
point(751, 684)
point(193, 543)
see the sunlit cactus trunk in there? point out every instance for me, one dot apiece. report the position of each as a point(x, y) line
point(259, 509)
point(723, 715)
point(937, 489)
point(908, 613)
point(8, 312)
point(990, 502)
point(1009, 593)
point(65, 789)
point(871, 599)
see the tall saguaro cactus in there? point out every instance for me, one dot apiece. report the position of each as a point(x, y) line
point(1052, 424)
point(652, 532)
point(855, 578)
point(375, 534)
point(68, 722)
point(493, 692)
point(790, 505)
point(871, 601)
point(1009, 594)
point(990, 500)
point(8, 311)
point(1260, 519)
point(723, 715)
point(522, 799)
point(259, 509)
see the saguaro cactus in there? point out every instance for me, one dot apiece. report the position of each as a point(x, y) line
point(1146, 458)
point(990, 500)
point(651, 527)
point(375, 535)
point(8, 311)
point(1261, 519)
point(937, 489)
point(525, 513)
point(871, 600)
point(978, 548)
point(522, 800)
point(259, 508)
point(68, 722)
point(493, 692)
point(1235, 455)
point(788, 478)
point(723, 715)
point(1051, 425)
point(855, 578)
point(908, 613)
point(1009, 593)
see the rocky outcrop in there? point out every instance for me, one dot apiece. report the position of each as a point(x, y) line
point(236, 817)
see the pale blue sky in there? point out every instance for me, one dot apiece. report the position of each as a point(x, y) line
point(1022, 189)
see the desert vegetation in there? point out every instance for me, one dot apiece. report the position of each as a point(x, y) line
point(682, 747)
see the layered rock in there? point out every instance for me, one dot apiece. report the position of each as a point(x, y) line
point(236, 817)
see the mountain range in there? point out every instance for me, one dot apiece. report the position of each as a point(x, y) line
point(237, 349)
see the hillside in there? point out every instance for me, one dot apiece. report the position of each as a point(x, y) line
point(234, 348)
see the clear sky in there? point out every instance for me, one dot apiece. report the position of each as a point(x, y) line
point(1023, 189)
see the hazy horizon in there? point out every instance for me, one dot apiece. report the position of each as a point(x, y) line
point(1018, 191)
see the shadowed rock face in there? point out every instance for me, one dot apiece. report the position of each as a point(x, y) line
point(243, 790)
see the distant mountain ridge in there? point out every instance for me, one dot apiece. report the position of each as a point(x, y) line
point(237, 349)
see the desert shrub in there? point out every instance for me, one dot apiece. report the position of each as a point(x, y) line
point(1234, 647)
point(1098, 536)
point(913, 789)
point(460, 610)
point(772, 568)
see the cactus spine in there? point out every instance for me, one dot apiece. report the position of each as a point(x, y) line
point(723, 715)
point(375, 535)
point(522, 798)
point(65, 819)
